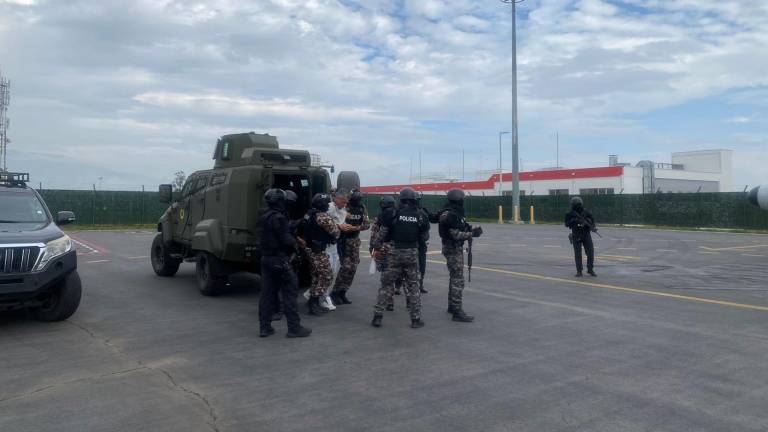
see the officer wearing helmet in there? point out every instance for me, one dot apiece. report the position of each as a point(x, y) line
point(277, 275)
point(454, 231)
point(387, 203)
point(349, 246)
point(405, 227)
point(321, 231)
point(582, 224)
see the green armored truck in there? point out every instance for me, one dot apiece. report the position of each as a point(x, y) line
point(213, 221)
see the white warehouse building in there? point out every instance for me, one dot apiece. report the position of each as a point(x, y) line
point(695, 171)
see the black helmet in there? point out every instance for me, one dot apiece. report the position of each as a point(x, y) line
point(356, 197)
point(407, 194)
point(321, 202)
point(386, 202)
point(291, 196)
point(577, 202)
point(274, 197)
point(455, 195)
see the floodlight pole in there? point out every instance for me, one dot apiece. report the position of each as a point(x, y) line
point(515, 157)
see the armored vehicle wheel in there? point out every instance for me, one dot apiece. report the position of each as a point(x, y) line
point(63, 301)
point(162, 262)
point(208, 272)
point(348, 180)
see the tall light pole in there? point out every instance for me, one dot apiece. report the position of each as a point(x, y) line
point(515, 160)
point(501, 184)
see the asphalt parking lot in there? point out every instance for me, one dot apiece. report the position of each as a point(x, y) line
point(670, 337)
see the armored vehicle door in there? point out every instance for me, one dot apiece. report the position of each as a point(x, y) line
point(300, 183)
point(181, 231)
point(196, 204)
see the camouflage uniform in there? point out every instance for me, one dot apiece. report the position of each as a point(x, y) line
point(402, 261)
point(381, 264)
point(454, 232)
point(351, 247)
point(322, 274)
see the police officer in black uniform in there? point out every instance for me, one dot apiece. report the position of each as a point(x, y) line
point(582, 224)
point(277, 275)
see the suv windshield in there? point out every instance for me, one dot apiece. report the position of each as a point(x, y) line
point(21, 208)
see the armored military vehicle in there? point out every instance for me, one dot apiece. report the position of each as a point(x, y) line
point(213, 221)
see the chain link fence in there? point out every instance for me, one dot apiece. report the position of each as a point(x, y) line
point(694, 210)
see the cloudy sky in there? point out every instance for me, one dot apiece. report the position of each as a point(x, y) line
point(131, 91)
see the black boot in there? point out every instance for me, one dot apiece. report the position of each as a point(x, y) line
point(299, 333)
point(451, 309)
point(376, 322)
point(460, 316)
point(592, 273)
point(336, 298)
point(314, 306)
point(266, 330)
point(417, 323)
point(579, 274)
point(390, 307)
point(342, 295)
point(421, 287)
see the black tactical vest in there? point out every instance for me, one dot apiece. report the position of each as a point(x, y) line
point(317, 238)
point(450, 219)
point(405, 230)
point(355, 217)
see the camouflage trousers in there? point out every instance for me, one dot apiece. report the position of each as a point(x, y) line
point(454, 256)
point(401, 263)
point(349, 263)
point(322, 274)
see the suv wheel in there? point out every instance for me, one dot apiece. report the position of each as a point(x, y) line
point(63, 301)
point(208, 272)
point(162, 262)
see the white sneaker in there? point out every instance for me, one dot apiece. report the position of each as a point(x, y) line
point(307, 295)
point(327, 303)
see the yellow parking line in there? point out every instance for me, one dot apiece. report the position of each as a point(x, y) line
point(137, 257)
point(619, 288)
point(733, 247)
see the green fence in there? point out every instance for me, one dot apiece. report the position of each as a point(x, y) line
point(691, 210)
point(106, 207)
point(694, 210)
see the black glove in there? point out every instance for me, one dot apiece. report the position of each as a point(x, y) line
point(477, 232)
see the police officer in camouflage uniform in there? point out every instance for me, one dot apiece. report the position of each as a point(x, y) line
point(381, 259)
point(349, 247)
point(277, 275)
point(405, 227)
point(454, 231)
point(320, 231)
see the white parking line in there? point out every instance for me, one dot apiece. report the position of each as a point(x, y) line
point(626, 248)
point(551, 246)
point(753, 255)
point(665, 250)
point(96, 261)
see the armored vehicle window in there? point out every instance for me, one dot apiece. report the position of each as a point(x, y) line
point(187, 189)
point(218, 179)
point(201, 182)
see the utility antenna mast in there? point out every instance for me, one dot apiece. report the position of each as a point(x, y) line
point(5, 100)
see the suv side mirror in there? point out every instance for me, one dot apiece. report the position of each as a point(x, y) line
point(166, 193)
point(65, 217)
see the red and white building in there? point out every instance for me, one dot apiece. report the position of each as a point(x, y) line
point(699, 171)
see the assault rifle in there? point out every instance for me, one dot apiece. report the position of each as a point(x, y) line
point(586, 223)
point(469, 260)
